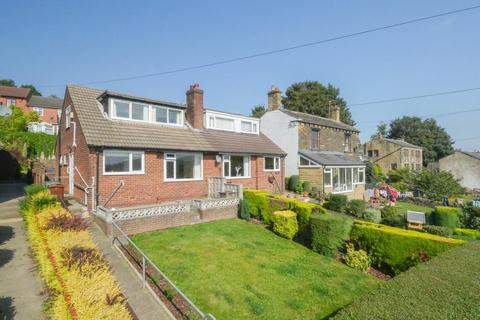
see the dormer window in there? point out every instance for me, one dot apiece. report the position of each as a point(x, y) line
point(229, 122)
point(137, 111)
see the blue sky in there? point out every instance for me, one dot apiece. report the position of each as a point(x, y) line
point(58, 42)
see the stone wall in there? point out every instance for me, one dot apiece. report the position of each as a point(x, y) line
point(312, 175)
point(391, 155)
point(331, 139)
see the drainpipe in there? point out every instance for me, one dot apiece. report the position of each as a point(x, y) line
point(97, 179)
point(323, 184)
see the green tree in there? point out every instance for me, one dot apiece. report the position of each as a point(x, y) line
point(381, 130)
point(7, 83)
point(436, 185)
point(258, 111)
point(315, 98)
point(35, 92)
point(436, 142)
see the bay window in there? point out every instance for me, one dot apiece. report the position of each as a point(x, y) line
point(183, 166)
point(123, 162)
point(236, 166)
point(271, 164)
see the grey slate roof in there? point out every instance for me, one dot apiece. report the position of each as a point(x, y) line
point(329, 158)
point(45, 102)
point(100, 131)
point(402, 143)
point(309, 118)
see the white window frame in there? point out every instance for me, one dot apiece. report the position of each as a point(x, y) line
point(68, 118)
point(329, 171)
point(211, 119)
point(130, 162)
point(39, 110)
point(113, 112)
point(312, 164)
point(246, 159)
point(11, 102)
point(167, 158)
point(276, 164)
point(351, 168)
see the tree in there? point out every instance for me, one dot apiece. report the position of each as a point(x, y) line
point(7, 83)
point(258, 111)
point(35, 92)
point(435, 185)
point(436, 142)
point(381, 130)
point(315, 98)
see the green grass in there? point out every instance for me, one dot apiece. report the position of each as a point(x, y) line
point(237, 270)
point(446, 287)
point(407, 206)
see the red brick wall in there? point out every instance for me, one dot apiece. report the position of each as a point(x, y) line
point(49, 115)
point(21, 103)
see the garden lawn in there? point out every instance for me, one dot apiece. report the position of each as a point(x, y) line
point(238, 270)
point(407, 206)
point(446, 287)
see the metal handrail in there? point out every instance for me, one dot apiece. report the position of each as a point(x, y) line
point(146, 259)
point(119, 185)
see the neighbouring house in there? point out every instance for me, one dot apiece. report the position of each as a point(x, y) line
point(323, 151)
point(391, 154)
point(465, 166)
point(146, 151)
point(48, 108)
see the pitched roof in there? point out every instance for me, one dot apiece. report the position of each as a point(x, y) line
point(312, 119)
point(329, 158)
point(141, 99)
point(104, 132)
point(402, 143)
point(45, 102)
point(13, 92)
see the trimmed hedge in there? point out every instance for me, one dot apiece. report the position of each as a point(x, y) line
point(258, 204)
point(396, 248)
point(328, 233)
point(446, 217)
point(438, 230)
point(293, 182)
point(468, 233)
point(338, 202)
point(285, 223)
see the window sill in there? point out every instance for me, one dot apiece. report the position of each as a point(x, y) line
point(123, 173)
point(233, 178)
point(182, 180)
point(271, 170)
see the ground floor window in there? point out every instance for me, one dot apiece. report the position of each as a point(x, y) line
point(271, 164)
point(183, 166)
point(123, 162)
point(342, 179)
point(236, 166)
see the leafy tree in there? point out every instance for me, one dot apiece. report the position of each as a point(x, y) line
point(374, 173)
point(258, 111)
point(381, 130)
point(35, 92)
point(436, 142)
point(7, 83)
point(315, 98)
point(436, 185)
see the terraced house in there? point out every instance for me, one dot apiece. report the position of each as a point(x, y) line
point(391, 154)
point(323, 151)
point(148, 151)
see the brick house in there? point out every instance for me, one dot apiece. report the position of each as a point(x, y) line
point(48, 108)
point(323, 151)
point(391, 154)
point(161, 151)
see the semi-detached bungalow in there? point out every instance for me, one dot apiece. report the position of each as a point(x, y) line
point(156, 151)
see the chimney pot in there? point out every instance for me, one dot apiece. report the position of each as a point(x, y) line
point(194, 113)
point(334, 112)
point(274, 98)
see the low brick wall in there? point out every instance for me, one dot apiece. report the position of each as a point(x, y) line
point(158, 222)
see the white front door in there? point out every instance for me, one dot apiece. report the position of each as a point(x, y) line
point(70, 173)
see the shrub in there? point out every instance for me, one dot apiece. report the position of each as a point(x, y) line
point(79, 256)
point(304, 210)
point(471, 217)
point(41, 200)
point(285, 223)
point(299, 187)
point(397, 248)
point(356, 208)
point(32, 189)
point(372, 215)
point(438, 230)
point(468, 233)
point(357, 259)
point(389, 211)
point(287, 183)
point(338, 202)
point(446, 217)
point(292, 183)
point(50, 213)
point(436, 185)
point(243, 210)
point(258, 203)
point(307, 187)
point(328, 233)
point(395, 221)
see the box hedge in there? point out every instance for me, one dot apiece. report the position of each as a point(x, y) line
point(446, 217)
point(258, 203)
point(396, 248)
point(328, 233)
point(468, 233)
point(285, 223)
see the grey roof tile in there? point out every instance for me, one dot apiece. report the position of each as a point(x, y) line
point(402, 143)
point(313, 119)
point(45, 102)
point(328, 158)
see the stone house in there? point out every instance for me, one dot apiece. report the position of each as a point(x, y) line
point(391, 154)
point(323, 151)
point(465, 166)
point(151, 151)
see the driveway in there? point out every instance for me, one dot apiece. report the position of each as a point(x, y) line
point(20, 284)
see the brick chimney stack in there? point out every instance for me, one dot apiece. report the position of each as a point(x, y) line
point(194, 112)
point(334, 111)
point(274, 99)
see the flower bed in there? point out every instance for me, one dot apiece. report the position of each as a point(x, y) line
point(78, 279)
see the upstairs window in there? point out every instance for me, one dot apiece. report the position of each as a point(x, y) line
point(11, 102)
point(224, 124)
point(140, 111)
point(315, 139)
point(248, 127)
point(68, 118)
point(137, 111)
point(271, 164)
point(230, 123)
point(38, 110)
point(348, 142)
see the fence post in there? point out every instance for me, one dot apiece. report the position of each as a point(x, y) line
point(240, 191)
point(143, 271)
